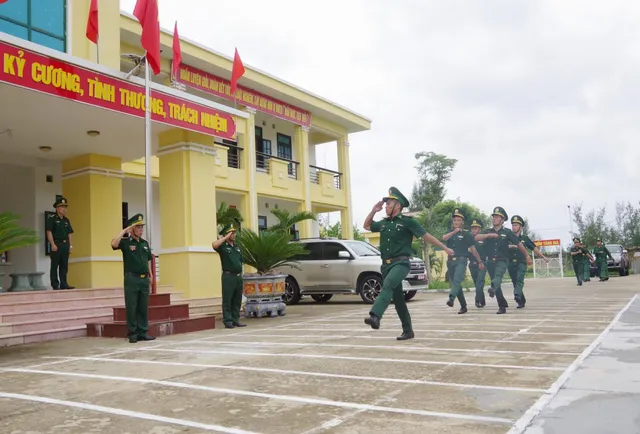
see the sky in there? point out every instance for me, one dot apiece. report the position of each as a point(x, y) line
point(537, 100)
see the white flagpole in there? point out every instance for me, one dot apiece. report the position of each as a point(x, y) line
point(147, 153)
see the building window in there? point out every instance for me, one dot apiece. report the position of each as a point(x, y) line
point(284, 150)
point(263, 149)
point(43, 22)
point(262, 223)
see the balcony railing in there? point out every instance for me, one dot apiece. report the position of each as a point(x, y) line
point(233, 155)
point(315, 176)
point(262, 164)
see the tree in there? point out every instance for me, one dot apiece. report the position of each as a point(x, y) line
point(267, 250)
point(226, 215)
point(592, 226)
point(335, 231)
point(13, 235)
point(287, 219)
point(440, 221)
point(628, 224)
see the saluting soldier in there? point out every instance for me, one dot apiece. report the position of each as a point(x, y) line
point(396, 234)
point(601, 253)
point(231, 260)
point(461, 242)
point(478, 274)
point(497, 240)
point(517, 262)
point(579, 257)
point(59, 230)
point(138, 277)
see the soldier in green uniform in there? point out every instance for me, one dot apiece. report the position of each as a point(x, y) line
point(461, 242)
point(231, 260)
point(138, 277)
point(601, 253)
point(396, 234)
point(587, 267)
point(497, 240)
point(517, 262)
point(478, 274)
point(579, 255)
point(59, 230)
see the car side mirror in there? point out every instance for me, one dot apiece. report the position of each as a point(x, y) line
point(343, 254)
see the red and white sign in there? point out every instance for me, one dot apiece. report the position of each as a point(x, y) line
point(546, 243)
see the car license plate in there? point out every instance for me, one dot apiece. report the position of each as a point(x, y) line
point(421, 276)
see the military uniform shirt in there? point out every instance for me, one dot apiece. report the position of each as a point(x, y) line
point(581, 257)
point(230, 257)
point(60, 227)
point(498, 248)
point(135, 255)
point(601, 252)
point(460, 243)
point(396, 235)
point(480, 249)
point(516, 254)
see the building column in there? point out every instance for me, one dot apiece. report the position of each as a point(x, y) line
point(250, 200)
point(344, 167)
point(302, 148)
point(188, 214)
point(107, 52)
point(92, 185)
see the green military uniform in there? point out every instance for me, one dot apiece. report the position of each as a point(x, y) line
point(460, 243)
point(518, 264)
point(477, 274)
point(396, 236)
point(602, 253)
point(136, 255)
point(497, 251)
point(60, 228)
point(231, 260)
point(587, 268)
point(579, 260)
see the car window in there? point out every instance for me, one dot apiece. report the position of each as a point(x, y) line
point(361, 248)
point(315, 252)
point(330, 251)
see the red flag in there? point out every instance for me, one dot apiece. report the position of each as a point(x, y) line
point(92, 22)
point(236, 73)
point(177, 52)
point(146, 11)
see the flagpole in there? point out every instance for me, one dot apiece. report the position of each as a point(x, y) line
point(147, 153)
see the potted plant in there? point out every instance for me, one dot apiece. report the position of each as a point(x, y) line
point(14, 236)
point(265, 252)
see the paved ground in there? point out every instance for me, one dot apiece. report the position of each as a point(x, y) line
point(320, 369)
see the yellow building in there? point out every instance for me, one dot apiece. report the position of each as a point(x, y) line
point(72, 124)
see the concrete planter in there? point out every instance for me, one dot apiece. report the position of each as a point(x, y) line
point(263, 295)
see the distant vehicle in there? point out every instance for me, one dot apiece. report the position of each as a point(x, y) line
point(620, 264)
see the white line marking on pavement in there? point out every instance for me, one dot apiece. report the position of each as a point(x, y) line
point(449, 331)
point(469, 324)
point(524, 421)
point(122, 412)
point(290, 398)
point(368, 359)
point(315, 374)
point(462, 319)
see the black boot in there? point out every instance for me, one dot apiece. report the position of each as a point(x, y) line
point(492, 292)
point(501, 311)
point(450, 303)
point(373, 321)
point(462, 310)
point(406, 335)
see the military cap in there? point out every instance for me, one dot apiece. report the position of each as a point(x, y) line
point(394, 193)
point(136, 220)
point(501, 212)
point(226, 229)
point(458, 213)
point(599, 240)
point(476, 224)
point(61, 201)
point(576, 239)
point(517, 219)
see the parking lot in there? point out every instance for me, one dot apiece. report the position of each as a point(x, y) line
point(319, 369)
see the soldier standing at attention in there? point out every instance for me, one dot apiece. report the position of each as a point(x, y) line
point(478, 274)
point(138, 277)
point(578, 254)
point(231, 260)
point(587, 267)
point(461, 242)
point(396, 234)
point(59, 230)
point(517, 263)
point(497, 240)
point(601, 252)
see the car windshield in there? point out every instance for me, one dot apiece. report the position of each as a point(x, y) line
point(614, 249)
point(361, 248)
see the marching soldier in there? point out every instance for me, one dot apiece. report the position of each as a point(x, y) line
point(138, 277)
point(478, 274)
point(601, 252)
point(587, 267)
point(517, 262)
point(461, 242)
point(579, 254)
point(396, 234)
point(231, 260)
point(59, 230)
point(497, 240)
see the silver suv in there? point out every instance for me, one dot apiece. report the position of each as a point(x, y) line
point(336, 266)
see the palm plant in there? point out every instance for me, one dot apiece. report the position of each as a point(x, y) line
point(268, 250)
point(226, 215)
point(14, 236)
point(286, 219)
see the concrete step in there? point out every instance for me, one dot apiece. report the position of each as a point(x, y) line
point(50, 324)
point(115, 329)
point(205, 309)
point(56, 313)
point(50, 294)
point(42, 336)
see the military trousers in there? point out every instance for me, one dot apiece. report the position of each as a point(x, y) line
point(578, 268)
point(457, 268)
point(392, 276)
point(478, 277)
point(517, 271)
point(586, 274)
point(231, 297)
point(136, 302)
point(496, 269)
point(603, 268)
point(59, 266)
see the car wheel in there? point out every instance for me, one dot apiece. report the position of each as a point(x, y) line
point(409, 295)
point(322, 298)
point(291, 291)
point(370, 287)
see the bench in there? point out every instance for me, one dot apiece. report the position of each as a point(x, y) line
point(26, 282)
